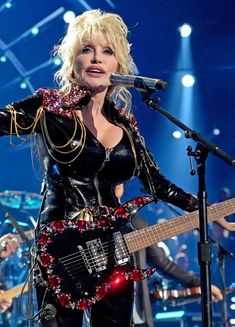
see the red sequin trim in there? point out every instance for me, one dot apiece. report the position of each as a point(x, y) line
point(53, 101)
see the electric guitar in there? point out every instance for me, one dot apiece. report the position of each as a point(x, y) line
point(13, 292)
point(85, 259)
point(180, 296)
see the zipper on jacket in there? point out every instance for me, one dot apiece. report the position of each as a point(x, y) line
point(96, 184)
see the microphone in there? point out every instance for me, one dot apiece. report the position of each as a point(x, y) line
point(138, 82)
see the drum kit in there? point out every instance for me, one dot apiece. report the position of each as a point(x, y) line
point(19, 206)
point(20, 200)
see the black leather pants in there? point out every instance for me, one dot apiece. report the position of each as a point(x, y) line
point(113, 311)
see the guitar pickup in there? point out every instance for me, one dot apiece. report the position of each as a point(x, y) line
point(98, 256)
point(121, 252)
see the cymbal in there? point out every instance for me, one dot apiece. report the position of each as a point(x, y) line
point(20, 200)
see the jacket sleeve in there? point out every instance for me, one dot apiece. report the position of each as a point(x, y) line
point(19, 116)
point(152, 180)
point(156, 257)
point(159, 186)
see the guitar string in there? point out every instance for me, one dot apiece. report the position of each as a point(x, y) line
point(80, 258)
point(90, 256)
point(90, 259)
point(96, 259)
point(105, 244)
point(77, 268)
point(88, 251)
point(74, 269)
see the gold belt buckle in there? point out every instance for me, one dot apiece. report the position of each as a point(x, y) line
point(85, 214)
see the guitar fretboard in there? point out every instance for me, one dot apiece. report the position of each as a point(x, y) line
point(148, 236)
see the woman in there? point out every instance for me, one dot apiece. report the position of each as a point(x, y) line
point(88, 143)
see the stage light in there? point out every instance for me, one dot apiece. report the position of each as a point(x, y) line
point(188, 80)
point(216, 131)
point(177, 134)
point(185, 30)
point(3, 58)
point(170, 314)
point(35, 30)
point(57, 61)
point(8, 4)
point(233, 299)
point(23, 85)
point(69, 16)
point(232, 306)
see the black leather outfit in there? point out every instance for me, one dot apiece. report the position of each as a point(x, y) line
point(90, 180)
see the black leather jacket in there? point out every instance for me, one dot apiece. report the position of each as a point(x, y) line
point(90, 179)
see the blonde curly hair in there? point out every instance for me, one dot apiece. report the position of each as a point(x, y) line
point(86, 26)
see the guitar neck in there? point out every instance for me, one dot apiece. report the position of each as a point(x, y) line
point(166, 294)
point(13, 292)
point(192, 292)
point(29, 234)
point(148, 236)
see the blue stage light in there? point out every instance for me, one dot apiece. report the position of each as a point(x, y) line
point(23, 85)
point(188, 80)
point(8, 4)
point(216, 131)
point(69, 16)
point(3, 58)
point(185, 30)
point(35, 30)
point(57, 61)
point(170, 314)
point(177, 134)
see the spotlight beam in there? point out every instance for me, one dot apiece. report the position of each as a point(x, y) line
point(15, 61)
point(85, 4)
point(41, 23)
point(109, 2)
point(38, 67)
point(25, 74)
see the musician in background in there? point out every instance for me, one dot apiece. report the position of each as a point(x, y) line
point(88, 142)
point(155, 256)
point(9, 246)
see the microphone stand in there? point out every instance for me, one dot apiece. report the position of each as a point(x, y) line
point(26, 240)
point(222, 253)
point(202, 149)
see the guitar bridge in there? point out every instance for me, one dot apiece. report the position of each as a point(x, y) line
point(121, 252)
point(98, 257)
point(86, 261)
